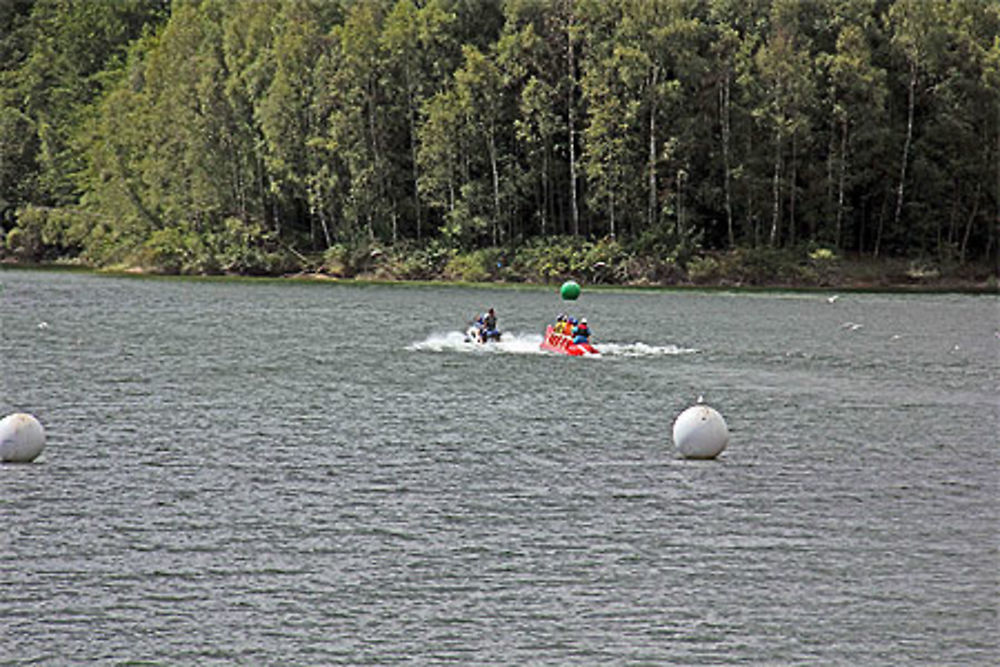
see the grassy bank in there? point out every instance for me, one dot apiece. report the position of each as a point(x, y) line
point(651, 260)
point(593, 264)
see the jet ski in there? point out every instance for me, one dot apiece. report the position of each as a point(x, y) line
point(482, 335)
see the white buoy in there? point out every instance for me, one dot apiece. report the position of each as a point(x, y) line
point(22, 438)
point(700, 432)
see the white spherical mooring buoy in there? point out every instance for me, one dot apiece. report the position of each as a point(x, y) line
point(22, 438)
point(700, 432)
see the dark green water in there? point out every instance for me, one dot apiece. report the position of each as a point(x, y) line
point(266, 473)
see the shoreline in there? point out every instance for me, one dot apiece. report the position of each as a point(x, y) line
point(845, 283)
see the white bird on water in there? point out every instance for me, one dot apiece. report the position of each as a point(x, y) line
point(833, 299)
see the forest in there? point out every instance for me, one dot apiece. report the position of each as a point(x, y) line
point(622, 141)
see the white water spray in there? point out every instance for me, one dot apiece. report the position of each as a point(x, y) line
point(514, 343)
point(455, 341)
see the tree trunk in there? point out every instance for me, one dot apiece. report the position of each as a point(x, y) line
point(262, 196)
point(776, 190)
point(752, 231)
point(491, 147)
point(840, 183)
point(830, 153)
point(944, 239)
point(726, 184)
point(545, 188)
point(651, 206)
point(416, 170)
point(680, 203)
point(792, 232)
point(968, 225)
point(571, 68)
point(326, 227)
point(862, 219)
point(276, 212)
point(881, 226)
point(996, 221)
point(380, 177)
point(906, 151)
point(611, 210)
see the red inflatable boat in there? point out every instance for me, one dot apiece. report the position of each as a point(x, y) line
point(563, 344)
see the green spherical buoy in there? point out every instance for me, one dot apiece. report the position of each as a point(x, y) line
point(569, 291)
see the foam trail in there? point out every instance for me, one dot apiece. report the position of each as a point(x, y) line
point(454, 341)
point(511, 343)
point(640, 349)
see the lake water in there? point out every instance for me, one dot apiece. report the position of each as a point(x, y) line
point(268, 472)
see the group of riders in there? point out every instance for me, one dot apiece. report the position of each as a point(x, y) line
point(575, 329)
point(485, 327)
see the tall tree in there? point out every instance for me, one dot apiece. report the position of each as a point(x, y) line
point(785, 74)
point(61, 51)
point(420, 51)
point(868, 124)
point(609, 141)
point(858, 98)
point(912, 22)
point(479, 88)
point(358, 122)
point(724, 51)
point(991, 82)
point(285, 113)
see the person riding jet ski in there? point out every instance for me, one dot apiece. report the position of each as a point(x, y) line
point(490, 320)
point(486, 327)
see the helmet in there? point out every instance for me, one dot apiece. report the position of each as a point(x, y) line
point(572, 320)
point(583, 320)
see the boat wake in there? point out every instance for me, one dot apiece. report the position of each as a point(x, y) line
point(512, 343)
point(638, 349)
point(454, 341)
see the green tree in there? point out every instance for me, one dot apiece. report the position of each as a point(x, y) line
point(440, 149)
point(858, 90)
point(953, 153)
point(212, 133)
point(991, 83)
point(786, 83)
point(420, 51)
point(724, 52)
point(357, 123)
point(60, 51)
point(248, 67)
point(913, 24)
point(285, 114)
point(529, 52)
point(740, 29)
point(612, 137)
point(479, 91)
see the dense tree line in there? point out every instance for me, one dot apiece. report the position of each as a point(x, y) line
point(209, 134)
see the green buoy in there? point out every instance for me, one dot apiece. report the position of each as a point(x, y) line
point(569, 290)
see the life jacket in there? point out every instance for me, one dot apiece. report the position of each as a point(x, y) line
point(581, 331)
